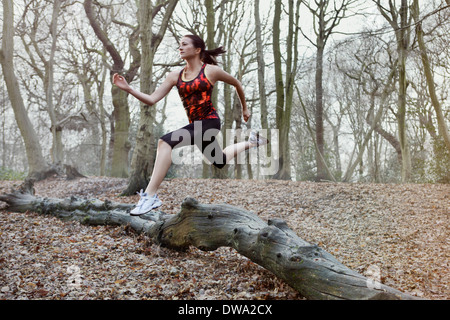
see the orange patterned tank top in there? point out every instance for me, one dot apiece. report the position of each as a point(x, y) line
point(196, 97)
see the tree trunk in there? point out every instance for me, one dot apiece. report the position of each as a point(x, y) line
point(307, 268)
point(261, 69)
point(403, 43)
point(321, 173)
point(291, 67)
point(308, 125)
point(442, 126)
point(402, 35)
point(144, 152)
point(56, 129)
point(37, 167)
point(321, 38)
point(121, 145)
point(284, 172)
point(102, 118)
point(37, 51)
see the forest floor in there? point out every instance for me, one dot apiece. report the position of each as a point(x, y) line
point(398, 233)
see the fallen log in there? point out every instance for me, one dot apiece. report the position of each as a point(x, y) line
point(309, 269)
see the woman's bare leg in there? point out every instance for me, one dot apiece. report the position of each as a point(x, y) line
point(235, 149)
point(162, 165)
point(164, 161)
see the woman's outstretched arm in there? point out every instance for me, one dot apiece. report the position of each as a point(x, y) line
point(148, 99)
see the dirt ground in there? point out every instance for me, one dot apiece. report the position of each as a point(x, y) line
point(396, 233)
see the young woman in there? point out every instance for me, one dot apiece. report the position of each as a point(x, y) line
point(195, 84)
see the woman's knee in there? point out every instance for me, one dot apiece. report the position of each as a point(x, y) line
point(163, 144)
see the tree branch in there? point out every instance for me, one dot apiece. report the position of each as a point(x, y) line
point(103, 37)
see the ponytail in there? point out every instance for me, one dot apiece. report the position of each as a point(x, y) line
point(207, 56)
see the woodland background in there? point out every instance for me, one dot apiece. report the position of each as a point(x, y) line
point(357, 89)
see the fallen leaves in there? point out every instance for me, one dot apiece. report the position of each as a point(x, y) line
point(400, 230)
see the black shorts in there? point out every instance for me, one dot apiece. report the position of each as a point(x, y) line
point(201, 133)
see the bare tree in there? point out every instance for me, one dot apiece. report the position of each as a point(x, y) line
point(442, 126)
point(285, 88)
point(143, 155)
point(245, 54)
point(400, 21)
point(327, 16)
point(40, 39)
point(57, 149)
point(37, 166)
point(365, 62)
point(88, 62)
point(261, 66)
point(121, 147)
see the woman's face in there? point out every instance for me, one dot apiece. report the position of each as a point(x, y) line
point(187, 49)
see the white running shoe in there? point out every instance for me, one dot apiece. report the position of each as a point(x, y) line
point(145, 204)
point(256, 140)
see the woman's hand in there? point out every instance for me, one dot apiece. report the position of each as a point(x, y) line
point(246, 115)
point(120, 82)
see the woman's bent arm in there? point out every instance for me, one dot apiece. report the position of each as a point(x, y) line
point(215, 74)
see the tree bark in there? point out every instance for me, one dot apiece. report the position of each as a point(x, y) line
point(56, 129)
point(402, 34)
point(307, 268)
point(121, 144)
point(284, 172)
point(261, 68)
point(144, 152)
point(320, 152)
point(403, 44)
point(429, 75)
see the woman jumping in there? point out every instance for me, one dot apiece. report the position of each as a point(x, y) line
point(195, 84)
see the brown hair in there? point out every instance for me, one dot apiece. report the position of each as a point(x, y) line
point(207, 56)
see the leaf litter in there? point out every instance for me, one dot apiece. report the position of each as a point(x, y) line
point(398, 234)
